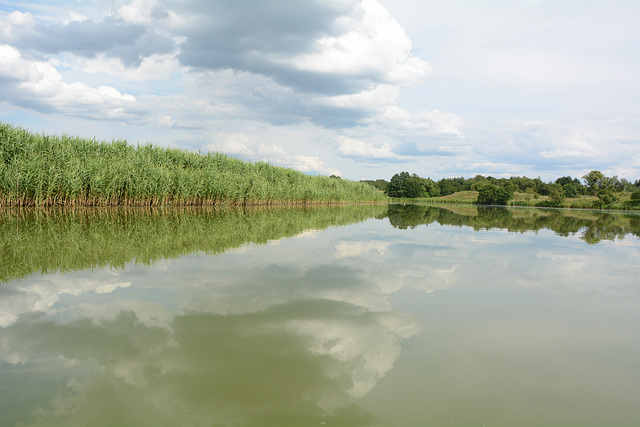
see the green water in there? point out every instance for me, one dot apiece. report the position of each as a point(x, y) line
point(342, 316)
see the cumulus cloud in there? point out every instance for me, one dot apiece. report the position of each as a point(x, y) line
point(40, 86)
point(374, 99)
point(130, 43)
point(355, 148)
point(147, 13)
point(371, 44)
point(152, 67)
point(257, 150)
point(331, 48)
point(432, 122)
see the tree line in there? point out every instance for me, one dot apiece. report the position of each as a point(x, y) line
point(499, 191)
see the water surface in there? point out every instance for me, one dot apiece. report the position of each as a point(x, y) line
point(352, 316)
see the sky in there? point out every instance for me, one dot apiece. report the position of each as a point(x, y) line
point(362, 89)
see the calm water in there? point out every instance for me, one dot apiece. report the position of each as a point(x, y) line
point(351, 316)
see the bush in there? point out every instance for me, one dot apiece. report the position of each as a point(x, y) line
point(491, 194)
point(556, 194)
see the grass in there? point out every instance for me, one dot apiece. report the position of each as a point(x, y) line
point(43, 170)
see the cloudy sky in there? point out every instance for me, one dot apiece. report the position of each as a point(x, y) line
point(358, 88)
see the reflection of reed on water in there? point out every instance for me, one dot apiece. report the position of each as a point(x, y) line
point(46, 241)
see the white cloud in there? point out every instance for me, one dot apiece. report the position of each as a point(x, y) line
point(346, 249)
point(148, 13)
point(152, 67)
point(352, 147)
point(257, 150)
point(312, 164)
point(137, 12)
point(41, 83)
point(75, 17)
point(110, 287)
point(20, 19)
point(373, 43)
point(374, 99)
point(432, 121)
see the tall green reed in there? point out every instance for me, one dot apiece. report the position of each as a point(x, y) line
point(42, 170)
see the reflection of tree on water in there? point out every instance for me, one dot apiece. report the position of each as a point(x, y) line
point(293, 364)
point(594, 226)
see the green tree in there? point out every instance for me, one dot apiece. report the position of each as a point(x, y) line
point(542, 187)
point(607, 196)
point(431, 188)
point(593, 180)
point(451, 185)
point(380, 184)
point(446, 187)
point(405, 185)
point(491, 194)
point(556, 194)
point(572, 189)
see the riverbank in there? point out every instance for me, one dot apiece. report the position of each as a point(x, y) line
point(44, 170)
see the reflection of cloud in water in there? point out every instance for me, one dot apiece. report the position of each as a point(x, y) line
point(308, 234)
point(41, 294)
point(392, 268)
point(260, 288)
point(346, 249)
point(366, 345)
point(299, 359)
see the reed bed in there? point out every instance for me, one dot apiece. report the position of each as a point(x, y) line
point(44, 170)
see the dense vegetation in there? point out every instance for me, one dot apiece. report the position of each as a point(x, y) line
point(598, 190)
point(70, 239)
point(42, 170)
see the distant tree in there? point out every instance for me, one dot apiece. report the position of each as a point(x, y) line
point(380, 184)
point(613, 182)
point(491, 194)
point(564, 180)
point(522, 184)
point(405, 185)
point(397, 184)
point(542, 187)
point(607, 197)
point(475, 182)
point(556, 194)
point(626, 184)
point(446, 187)
point(573, 190)
point(430, 187)
point(459, 184)
point(593, 180)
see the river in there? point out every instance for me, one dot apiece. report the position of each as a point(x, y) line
point(327, 316)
